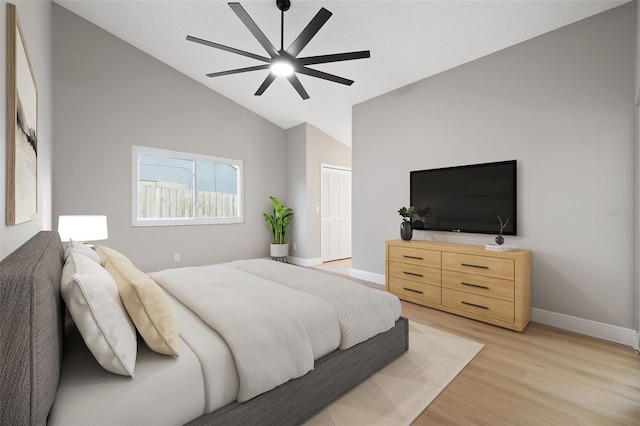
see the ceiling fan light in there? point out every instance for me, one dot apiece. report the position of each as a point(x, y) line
point(282, 68)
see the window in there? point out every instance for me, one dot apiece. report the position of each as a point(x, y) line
point(177, 188)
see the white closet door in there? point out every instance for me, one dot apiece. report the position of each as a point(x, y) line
point(335, 213)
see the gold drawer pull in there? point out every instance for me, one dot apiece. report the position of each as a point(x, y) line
point(474, 266)
point(473, 304)
point(412, 274)
point(415, 291)
point(484, 287)
point(412, 257)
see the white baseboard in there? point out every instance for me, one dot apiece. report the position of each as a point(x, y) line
point(304, 262)
point(612, 333)
point(368, 276)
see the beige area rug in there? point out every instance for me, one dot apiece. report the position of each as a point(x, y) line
point(397, 394)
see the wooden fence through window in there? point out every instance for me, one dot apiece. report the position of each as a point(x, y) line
point(156, 202)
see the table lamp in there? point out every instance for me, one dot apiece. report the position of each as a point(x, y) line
point(82, 228)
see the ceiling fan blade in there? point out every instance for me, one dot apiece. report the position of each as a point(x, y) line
point(253, 27)
point(239, 70)
point(228, 49)
point(324, 75)
point(293, 79)
point(265, 84)
point(309, 31)
point(336, 57)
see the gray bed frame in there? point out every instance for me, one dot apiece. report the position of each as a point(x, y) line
point(32, 339)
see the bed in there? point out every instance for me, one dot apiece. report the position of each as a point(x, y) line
point(50, 377)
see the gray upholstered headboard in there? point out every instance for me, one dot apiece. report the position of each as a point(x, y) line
point(31, 329)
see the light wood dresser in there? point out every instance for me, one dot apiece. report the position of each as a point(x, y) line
point(489, 286)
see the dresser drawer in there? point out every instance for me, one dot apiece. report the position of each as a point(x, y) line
point(415, 256)
point(417, 273)
point(414, 290)
point(478, 284)
point(480, 305)
point(479, 265)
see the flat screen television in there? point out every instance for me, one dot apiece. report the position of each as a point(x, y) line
point(465, 198)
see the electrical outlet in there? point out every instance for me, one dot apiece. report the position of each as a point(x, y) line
point(176, 257)
point(294, 246)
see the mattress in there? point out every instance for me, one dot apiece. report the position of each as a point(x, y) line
point(200, 380)
point(87, 394)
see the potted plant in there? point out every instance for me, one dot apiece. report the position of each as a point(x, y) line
point(278, 222)
point(406, 230)
point(500, 238)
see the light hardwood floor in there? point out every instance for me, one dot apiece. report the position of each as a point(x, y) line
point(542, 376)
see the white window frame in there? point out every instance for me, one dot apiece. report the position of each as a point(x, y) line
point(142, 150)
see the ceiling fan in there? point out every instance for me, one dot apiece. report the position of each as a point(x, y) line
point(285, 62)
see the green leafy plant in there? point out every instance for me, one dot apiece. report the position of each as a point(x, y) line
point(278, 221)
point(502, 225)
point(406, 213)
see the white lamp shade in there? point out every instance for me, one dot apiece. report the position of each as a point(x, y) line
point(82, 228)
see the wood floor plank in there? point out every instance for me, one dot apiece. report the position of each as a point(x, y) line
point(542, 376)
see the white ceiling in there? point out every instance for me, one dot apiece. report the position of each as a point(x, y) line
point(408, 40)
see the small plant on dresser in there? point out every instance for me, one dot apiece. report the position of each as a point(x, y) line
point(406, 230)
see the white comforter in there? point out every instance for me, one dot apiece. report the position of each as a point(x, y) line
point(362, 312)
point(287, 315)
point(269, 328)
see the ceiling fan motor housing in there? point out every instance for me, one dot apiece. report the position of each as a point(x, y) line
point(283, 5)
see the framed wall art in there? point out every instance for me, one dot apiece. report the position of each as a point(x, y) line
point(22, 126)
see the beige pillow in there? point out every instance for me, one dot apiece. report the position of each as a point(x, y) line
point(146, 304)
point(107, 253)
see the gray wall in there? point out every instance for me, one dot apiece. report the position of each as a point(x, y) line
point(562, 104)
point(296, 172)
point(307, 149)
point(637, 56)
point(110, 96)
point(35, 18)
point(637, 171)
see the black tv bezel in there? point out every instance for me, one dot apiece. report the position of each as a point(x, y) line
point(514, 220)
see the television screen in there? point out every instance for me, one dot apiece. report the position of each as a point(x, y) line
point(465, 198)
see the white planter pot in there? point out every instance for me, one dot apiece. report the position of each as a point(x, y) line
point(280, 250)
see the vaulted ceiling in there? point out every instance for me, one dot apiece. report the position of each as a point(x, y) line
point(408, 40)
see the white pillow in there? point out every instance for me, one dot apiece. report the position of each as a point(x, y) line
point(83, 249)
point(92, 297)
